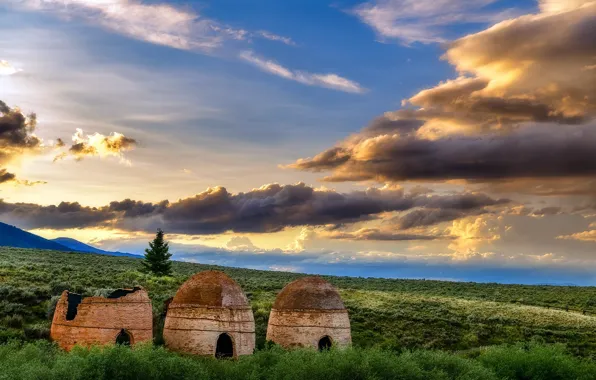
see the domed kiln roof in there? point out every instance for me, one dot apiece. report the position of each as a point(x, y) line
point(309, 293)
point(210, 288)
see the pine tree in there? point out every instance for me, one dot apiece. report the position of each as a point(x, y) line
point(157, 256)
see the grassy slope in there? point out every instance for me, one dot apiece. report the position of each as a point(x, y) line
point(392, 314)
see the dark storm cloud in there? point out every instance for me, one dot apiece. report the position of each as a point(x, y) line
point(5, 176)
point(539, 151)
point(64, 215)
point(382, 125)
point(134, 209)
point(274, 207)
point(16, 131)
point(445, 208)
point(270, 208)
point(380, 235)
point(429, 217)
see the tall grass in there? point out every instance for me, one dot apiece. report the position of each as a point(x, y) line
point(42, 360)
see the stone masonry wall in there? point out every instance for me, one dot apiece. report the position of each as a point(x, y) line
point(99, 320)
point(195, 329)
point(304, 328)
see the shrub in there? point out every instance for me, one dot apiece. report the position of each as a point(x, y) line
point(43, 360)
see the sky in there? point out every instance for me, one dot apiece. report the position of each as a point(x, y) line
point(391, 138)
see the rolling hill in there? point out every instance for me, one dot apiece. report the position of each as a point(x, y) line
point(11, 236)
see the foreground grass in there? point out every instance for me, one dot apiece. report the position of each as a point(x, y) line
point(42, 360)
point(387, 314)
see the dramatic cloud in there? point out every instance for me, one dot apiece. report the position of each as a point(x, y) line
point(5, 176)
point(18, 140)
point(423, 21)
point(538, 151)
point(332, 81)
point(97, 145)
point(473, 232)
point(16, 133)
point(379, 235)
point(429, 217)
point(270, 208)
point(135, 209)
point(523, 107)
point(64, 215)
point(526, 59)
point(7, 69)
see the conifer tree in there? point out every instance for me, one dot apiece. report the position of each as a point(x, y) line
point(157, 256)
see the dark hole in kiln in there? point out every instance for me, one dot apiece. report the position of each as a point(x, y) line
point(73, 300)
point(166, 305)
point(122, 292)
point(325, 343)
point(225, 347)
point(123, 338)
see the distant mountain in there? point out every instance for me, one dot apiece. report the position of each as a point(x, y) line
point(76, 245)
point(11, 236)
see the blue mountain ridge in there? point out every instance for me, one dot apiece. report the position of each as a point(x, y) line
point(82, 247)
point(11, 236)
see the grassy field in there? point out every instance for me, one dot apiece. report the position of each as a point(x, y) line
point(385, 314)
point(42, 361)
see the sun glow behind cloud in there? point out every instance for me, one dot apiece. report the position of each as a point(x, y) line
point(7, 69)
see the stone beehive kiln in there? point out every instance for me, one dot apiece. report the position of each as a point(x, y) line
point(309, 312)
point(124, 316)
point(210, 315)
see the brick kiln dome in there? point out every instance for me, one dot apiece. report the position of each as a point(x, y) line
point(212, 289)
point(210, 315)
point(309, 293)
point(309, 312)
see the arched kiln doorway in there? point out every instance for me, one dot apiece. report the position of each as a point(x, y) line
point(225, 347)
point(325, 343)
point(123, 338)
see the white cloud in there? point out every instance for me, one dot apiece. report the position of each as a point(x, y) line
point(274, 37)
point(97, 144)
point(240, 243)
point(423, 21)
point(557, 6)
point(332, 81)
point(7, 69)
point(474, 232)
point(589, 235)
point(156, 23)
point(178, 28)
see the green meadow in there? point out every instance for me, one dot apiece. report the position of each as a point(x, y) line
point(406, 329)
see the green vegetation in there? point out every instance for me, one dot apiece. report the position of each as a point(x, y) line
point(389, 318)
point(44, 361)
point(157, 256)
point(387, 314)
